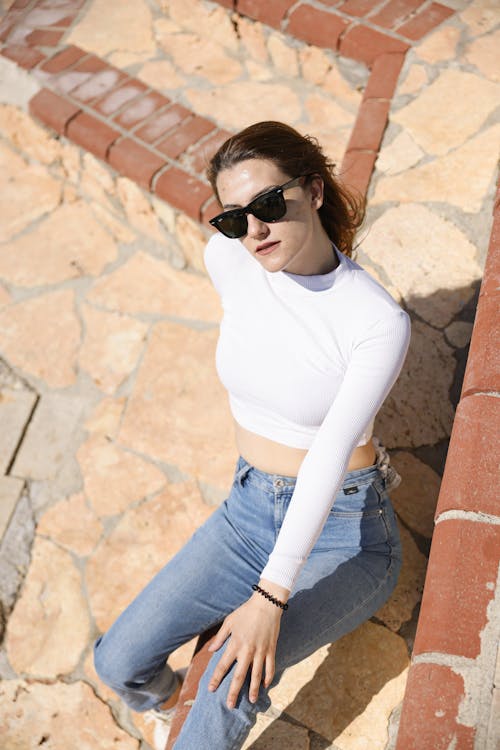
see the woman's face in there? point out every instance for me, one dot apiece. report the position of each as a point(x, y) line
point(287, 244)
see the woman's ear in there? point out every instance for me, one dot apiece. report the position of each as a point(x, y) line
point(316, 187)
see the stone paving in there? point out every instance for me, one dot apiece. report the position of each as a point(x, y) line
point(108, 325)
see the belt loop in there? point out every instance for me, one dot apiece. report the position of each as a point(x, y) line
point(241, 474)
point(391, 477)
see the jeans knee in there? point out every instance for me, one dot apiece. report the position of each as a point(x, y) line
point(111, 668)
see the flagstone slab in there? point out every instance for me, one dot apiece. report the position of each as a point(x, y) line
point(49, 627)
point(72, 524)
point(459, 333)
point(5, 298)
point(27, 192)
point(195, 55)
point(114, 478)
point(60, 716)
point(110, 26)
point(138, 210)
point(480, 16)
point(441, 258)
point(245, 102)
point(408, 592)
point(483, 53)
point(47, 351)
point(51, 435)
point(112, 345)
point(451, 123)
point(462, 177)
point(400, 155)
point(143, 541)
point(105, 418)
point(10, 493)
point(414, 80)
point(416, 497)
point(277, 734)
point(178, 411)
point(440, 45)
point(68, 244)
point(354, 689)
point(418, 410)
point(26, 135)
point(161, 75)
point(15, 409)
point(214, 20)
point(146, 285)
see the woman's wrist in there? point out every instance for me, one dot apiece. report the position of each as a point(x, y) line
point(276, 596)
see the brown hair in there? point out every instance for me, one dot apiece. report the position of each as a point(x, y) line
point(341, 213)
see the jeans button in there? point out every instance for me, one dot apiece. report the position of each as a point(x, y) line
point(278, 483)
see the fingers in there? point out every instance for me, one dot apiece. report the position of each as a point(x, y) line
point(256, 679)
point(270, 668)
point(220, 637)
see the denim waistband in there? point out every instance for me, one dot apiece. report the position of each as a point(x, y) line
point(381, 467)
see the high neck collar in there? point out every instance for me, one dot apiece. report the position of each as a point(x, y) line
point(285, 282)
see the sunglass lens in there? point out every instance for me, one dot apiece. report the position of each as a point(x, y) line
point(233, 226)
point(269, 207)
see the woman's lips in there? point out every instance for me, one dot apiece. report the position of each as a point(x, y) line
point(267, 247)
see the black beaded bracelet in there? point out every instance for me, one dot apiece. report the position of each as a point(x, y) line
point(269, 596)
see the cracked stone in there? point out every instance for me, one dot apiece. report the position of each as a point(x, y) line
point(146, 285)
point(442, 277)
point(114, 478)
point(451, 124)
point(462, 177)
point(400, 155)
point(215, 21)
point(418, 410)
point(61, 716)
point(15, 409)
point(26, 135)
point(68, 244)
point(106, 417)
point(72, 524)
point(138, 209)
point(10, 493)
point(414, 80)
point(143, 541)
point(483, 53)
point(185, 400)
point(48, 351)
point(49, 627)
point(354, 689)
point(109, 27)
point(32, 193)
point(195, 55)
point(416, 497)
point(111, 348)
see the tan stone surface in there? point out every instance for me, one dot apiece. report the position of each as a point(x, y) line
point(70, 160)
point(161, 75)
point(27, 135)
point(58, 716)
point(154, 731)
point(123, 60)
point(462, 177)
point(68, 244)
point(114, 478)
point(146, 285)
point(111, 348)
point(192, 241)
point(27, 192)
point(110, 26)
point(440, 45)
point(16, 407)
point(283, 55)
point(178, 411)
point(138, 209)
point(72, 524)
point(296, 678)
point(451, 123)
point(95, 170)
point(115, 225)
point(244, 103)
point(196, 55)
point(253, 39)
point(102, 690)
point(483, 53)
point(48, 350)
point(400, 155)
point(10, 492)
point(105, 419)
point(418, 410)
point(258, 71)
point(315, 64)
point(480, 16)
point(276, 734)
point(334, 83)
point(214, 20)
point(414, 80)
point(355, 688)
point(395, 293)
point(441, 258)
point(49, 627)
point(459, 333)
point(165, 213)
point(408, 592)
point(142, 542)
point(416, 497)
point(5, 298)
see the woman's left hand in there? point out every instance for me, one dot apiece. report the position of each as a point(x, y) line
point(253, 629)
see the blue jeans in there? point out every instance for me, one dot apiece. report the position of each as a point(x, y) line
point(349, 574)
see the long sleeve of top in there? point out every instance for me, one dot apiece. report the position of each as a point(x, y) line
point(305, 368)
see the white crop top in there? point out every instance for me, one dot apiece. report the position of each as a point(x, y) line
point(305, 368)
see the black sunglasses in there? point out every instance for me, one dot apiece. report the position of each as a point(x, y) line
point(269, 207)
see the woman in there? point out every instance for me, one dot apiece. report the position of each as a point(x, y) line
point(306, 547)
